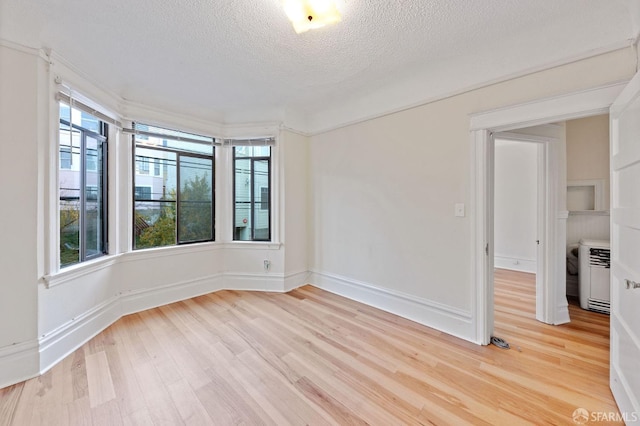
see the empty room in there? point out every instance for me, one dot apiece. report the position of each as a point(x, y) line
point(293, 212)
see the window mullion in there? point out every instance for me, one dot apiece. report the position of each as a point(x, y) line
point(103, 187)
point(83, 189)
point(269, 196)
point(178, 184)
point(252, 204)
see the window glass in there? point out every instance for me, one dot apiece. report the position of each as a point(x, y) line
point(195, 200)
point(174, 204)
point(252, 181)
point(82, 186)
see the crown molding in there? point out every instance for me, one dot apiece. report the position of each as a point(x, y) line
point(329, 126)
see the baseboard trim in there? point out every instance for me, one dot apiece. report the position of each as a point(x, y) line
point(148, 298)
point(61, 342)
point(293, 280)
point(450, 320)
point(515, 264)
point(254, 282)
point(19, 362)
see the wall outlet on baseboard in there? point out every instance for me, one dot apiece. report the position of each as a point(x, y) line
point(267, 264)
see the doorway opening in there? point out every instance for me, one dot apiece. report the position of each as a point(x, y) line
point(483, 126)
point(519, 195)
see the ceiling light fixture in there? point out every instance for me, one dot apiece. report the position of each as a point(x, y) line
point(311, 14)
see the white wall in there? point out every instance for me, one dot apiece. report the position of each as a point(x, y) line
point(516, 203)
point(296, 190)
point(588, 159)
point(383, 194)
point(588, 150)
point(20, 80)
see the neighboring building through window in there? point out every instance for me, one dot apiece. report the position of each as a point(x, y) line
point(251, 195)
point(142, 165)
point(65, 157)
point(82, 186)
point(175, 204)
point(143, 193)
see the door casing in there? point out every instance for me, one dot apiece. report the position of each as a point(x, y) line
point(561, 108)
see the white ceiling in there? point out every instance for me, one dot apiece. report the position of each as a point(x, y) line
point(240, 60)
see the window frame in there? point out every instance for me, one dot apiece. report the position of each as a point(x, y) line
point(103, 138)
point(252, 201)
point(179, 153)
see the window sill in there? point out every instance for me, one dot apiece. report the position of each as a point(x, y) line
point(76, 271)
point(257, 245)
point(156, 252)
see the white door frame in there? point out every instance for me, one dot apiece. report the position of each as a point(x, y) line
point(566, 107)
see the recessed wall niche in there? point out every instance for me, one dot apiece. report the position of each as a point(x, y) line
point(585, 195)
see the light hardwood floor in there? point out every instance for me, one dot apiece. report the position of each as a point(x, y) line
point(311, 357)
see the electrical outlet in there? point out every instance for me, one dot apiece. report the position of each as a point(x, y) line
point(459, 210)
point(267, 264)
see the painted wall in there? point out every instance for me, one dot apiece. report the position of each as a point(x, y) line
point(516, 201)
point(20, 80)
point(383, 194)
point(296, 194)
point(588, 159)
point(588, 150)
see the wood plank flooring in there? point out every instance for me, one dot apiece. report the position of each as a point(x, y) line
point(311, 357)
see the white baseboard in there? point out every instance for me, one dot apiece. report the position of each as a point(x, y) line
point(254, 282)
point(56, 345)
point(450, 320)
point(148, 298)
point(19, 362)
point(293, 280)
point(515, 264)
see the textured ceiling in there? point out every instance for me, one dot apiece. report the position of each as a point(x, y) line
point(241, 59)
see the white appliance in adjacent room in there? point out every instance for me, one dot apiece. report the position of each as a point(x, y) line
point(594, 276)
